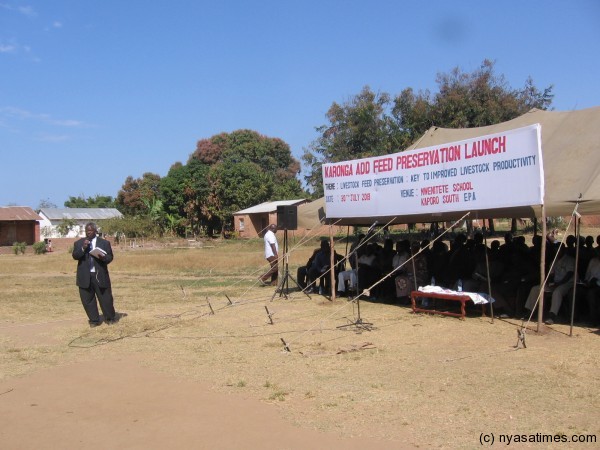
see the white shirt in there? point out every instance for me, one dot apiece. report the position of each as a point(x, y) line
point(270, 238)
point(563, 266)
point(93, 246)
point(593, 269)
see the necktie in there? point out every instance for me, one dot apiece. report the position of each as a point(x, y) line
point(90, 258)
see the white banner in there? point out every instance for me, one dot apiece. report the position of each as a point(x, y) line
point(495, 171)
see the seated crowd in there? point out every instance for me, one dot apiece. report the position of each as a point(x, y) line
point(393, 270)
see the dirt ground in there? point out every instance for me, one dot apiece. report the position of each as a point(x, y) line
point(200, 361)
point(118, 403)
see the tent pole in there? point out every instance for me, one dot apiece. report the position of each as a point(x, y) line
point(542, 271)
point(347, 239)
point(575, 277)
point(489, 281)
point(331, 264)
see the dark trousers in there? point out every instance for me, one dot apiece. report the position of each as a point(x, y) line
point(302, 277)
point(88, 300)
point(273, 271)
point(592, 297)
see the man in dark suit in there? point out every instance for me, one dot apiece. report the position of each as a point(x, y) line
point(93, 254)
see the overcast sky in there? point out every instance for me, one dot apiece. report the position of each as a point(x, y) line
point(94, 91)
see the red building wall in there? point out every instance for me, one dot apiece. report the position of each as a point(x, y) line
point(19, 231)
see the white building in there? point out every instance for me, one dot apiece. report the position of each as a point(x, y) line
point(52, 217)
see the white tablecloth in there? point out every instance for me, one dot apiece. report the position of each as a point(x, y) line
point(478, 298)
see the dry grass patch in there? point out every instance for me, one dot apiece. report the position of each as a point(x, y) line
point(199, 314)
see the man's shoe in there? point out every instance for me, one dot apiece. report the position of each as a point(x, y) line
point(551, 319)
point(94, 324)
point(262, 282)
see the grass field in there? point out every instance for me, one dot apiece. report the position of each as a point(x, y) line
point(198, 313)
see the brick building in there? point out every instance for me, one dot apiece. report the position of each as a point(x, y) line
point(19, 224)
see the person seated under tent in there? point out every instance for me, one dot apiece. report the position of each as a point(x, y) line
point(586, 253)
point(592, 291)
point(560, 285)
point(319, 270)
point(302, 273)
point(356, 249)
point(384, 261)
point(461, 264)
point(400, 264)
point(440, 258)
point(367, 271)
point(351, 278)
point(416, 273)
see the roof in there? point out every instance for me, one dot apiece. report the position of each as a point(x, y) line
point(80, 213)
point(268, 207)
point(18, 213)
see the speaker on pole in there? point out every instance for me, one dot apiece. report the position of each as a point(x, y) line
point(287, 217)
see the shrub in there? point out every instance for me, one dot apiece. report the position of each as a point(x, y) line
point(39, 248)
point(19, 247)
point(65, 226)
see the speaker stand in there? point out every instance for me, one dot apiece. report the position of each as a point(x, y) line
point(284, 288)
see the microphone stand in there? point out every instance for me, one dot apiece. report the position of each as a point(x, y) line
point(358, 322)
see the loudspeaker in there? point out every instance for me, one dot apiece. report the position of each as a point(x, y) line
point(287, 217)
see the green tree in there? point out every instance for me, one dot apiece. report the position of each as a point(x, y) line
point(130, 227)
point(466, 100)
point(246, 168)
point(234, 186)
point(65, 226)
point(99, 201)
point(184, 191)
point(371, 124)
point(359, 128)
point(225, 173)
point(154, 209)
point(135, 192)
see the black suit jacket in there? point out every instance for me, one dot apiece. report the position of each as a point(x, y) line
point(82, 255)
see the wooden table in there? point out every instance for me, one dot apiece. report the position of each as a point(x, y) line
point(463, 299)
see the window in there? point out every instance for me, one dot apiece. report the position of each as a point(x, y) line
point(241, 225)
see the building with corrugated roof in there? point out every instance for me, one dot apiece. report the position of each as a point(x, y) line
point(250, 222)
point(19, 224)
point(52, 217)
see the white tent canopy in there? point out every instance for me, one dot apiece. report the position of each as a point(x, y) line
point(571, 164)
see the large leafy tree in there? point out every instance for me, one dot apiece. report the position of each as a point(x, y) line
point(235, 186)
point(245, 168)
point(466, 100)
point(359, 128)
point(184, 191)
point(137, 193)
point(372, 124)
point(271, 154)
point(225, 173)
